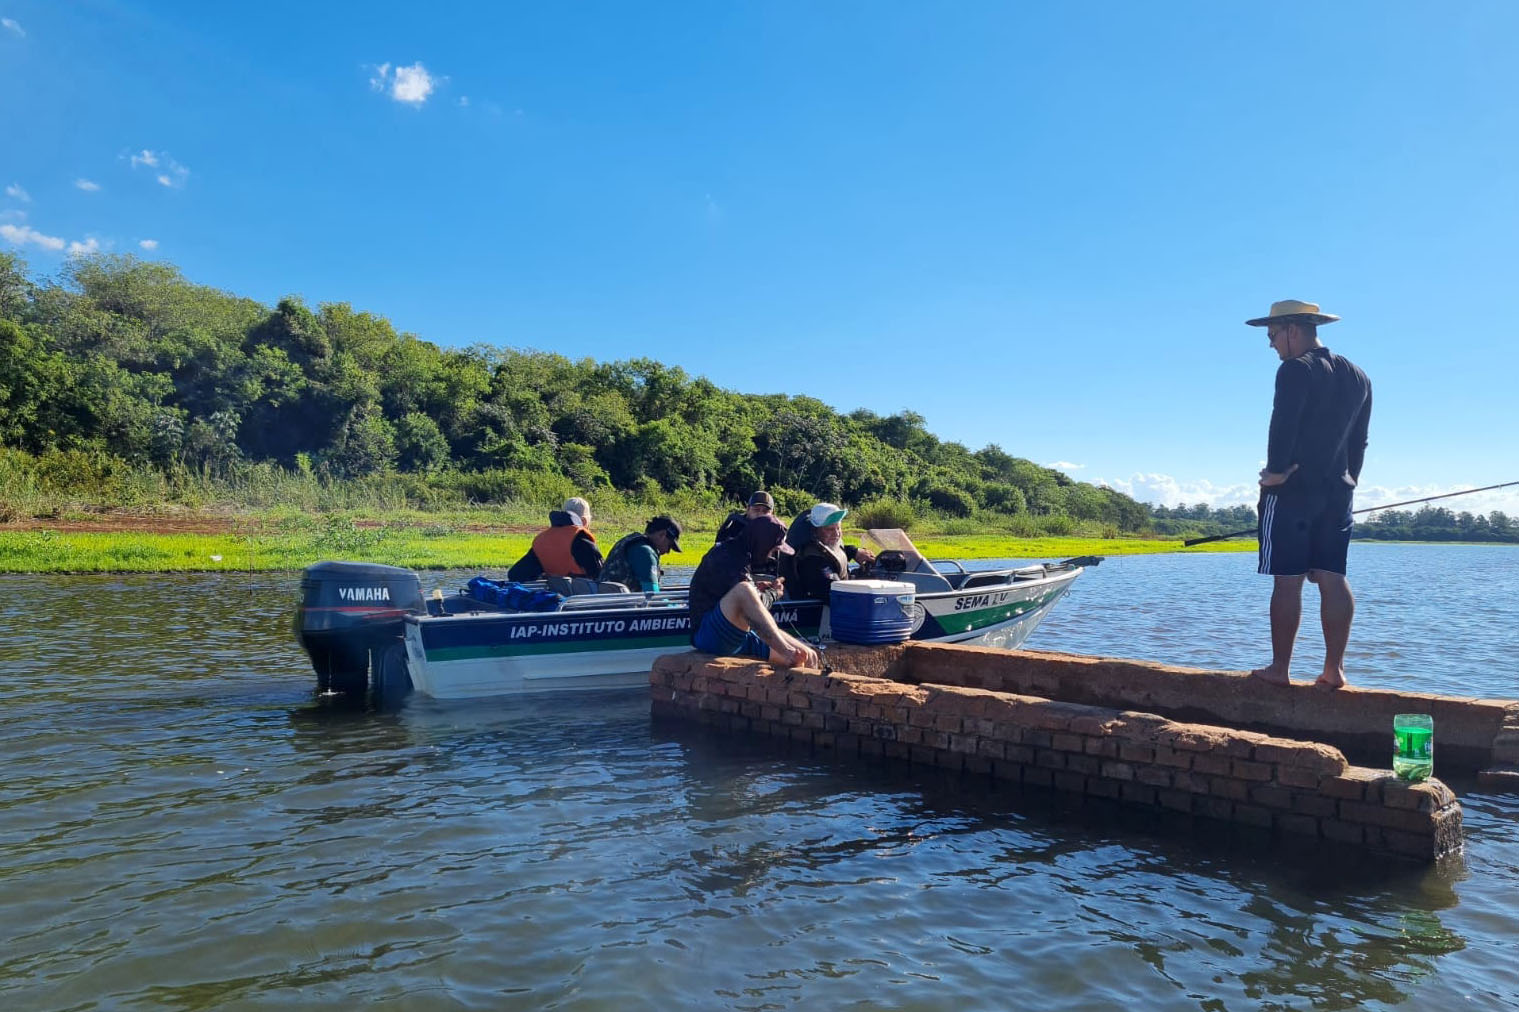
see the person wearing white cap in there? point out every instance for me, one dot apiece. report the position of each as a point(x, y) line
point(1316, 446)
point(566, 548)
point(822, 558)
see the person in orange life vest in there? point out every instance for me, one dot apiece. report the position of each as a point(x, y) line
point(566, 548)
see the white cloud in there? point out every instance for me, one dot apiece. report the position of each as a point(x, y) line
point(87, 185)
point(1065, 465)
point(1164, 490)
point(9, 24)
point(464, 101)
point(148, 244)
point(23, 234)
point(173, 174)
point(15, 191)
point(90, 245)
point(411, 85)
point(12, 214)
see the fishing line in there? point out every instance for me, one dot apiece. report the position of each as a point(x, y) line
point(1369, 509)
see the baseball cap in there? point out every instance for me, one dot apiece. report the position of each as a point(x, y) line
point(669, 526)
point(825, 514)
point(763, 535)
point(764, 499)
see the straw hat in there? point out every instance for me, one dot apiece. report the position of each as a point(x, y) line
point(1292, 309)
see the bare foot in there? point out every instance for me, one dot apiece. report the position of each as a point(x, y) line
point(1273, 674)
point(1330, 680)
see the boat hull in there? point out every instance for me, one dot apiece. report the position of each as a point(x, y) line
point(494, 654)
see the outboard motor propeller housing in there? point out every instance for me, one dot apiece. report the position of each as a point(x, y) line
point(350, 620)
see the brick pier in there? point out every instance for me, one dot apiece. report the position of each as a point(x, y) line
point(1297, 787)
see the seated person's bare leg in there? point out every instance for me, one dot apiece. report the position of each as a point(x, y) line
point(743, 608)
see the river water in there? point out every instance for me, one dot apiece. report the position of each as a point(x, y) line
point(183, 826)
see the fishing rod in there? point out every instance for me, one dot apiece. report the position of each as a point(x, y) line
point(1369, 509)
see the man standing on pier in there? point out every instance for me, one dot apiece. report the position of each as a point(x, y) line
point(1315, 449)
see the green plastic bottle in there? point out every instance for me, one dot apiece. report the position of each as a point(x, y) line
point(1413, 746)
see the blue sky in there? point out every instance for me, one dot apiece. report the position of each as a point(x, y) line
point(1038, 225)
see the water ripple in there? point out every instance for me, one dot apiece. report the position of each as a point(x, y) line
point(182, 827)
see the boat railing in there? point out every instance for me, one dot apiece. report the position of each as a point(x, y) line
point(597, 602)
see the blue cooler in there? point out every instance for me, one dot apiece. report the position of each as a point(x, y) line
point(871, 611)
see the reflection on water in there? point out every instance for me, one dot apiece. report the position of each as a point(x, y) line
point(182, 826)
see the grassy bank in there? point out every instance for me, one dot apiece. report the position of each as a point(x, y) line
point(297, 542)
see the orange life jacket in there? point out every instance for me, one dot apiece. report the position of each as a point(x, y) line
point(552, 547)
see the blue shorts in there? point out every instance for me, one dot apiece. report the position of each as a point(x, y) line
point(1304, 531)
point(717, 635)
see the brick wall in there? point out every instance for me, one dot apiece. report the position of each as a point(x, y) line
point(1469, 733)
point(1132, 757)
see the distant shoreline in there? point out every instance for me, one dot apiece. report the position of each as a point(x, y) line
point(211, 542)
point(75, 550)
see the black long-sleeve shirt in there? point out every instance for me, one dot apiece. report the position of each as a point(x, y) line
point(1319, 421)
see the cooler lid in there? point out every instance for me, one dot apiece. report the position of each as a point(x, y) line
point(871, 587)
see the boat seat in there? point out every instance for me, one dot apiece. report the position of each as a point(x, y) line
point(573, 586)
point(611, 587)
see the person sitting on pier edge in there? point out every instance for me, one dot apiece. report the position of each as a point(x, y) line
point(566, 548)
point(634, 561)
point(821, 558)
point(729, 615)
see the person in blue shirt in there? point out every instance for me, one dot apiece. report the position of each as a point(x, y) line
point(634, 561)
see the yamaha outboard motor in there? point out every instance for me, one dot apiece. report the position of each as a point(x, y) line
point(350, 622)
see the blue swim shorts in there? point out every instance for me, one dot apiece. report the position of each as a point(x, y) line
point(717, 635)
point(1304, 531)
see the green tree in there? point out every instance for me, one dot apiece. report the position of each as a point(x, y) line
point(419, 443)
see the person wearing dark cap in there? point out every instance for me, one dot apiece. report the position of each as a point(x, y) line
point(761, 504)
point(729, 614)
point(634, 561)
point(1314, 452)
